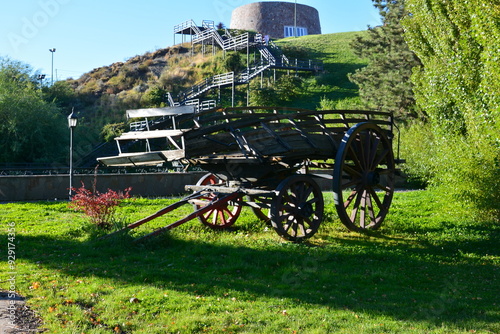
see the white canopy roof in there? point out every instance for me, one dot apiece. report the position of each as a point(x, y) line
point(155, 112)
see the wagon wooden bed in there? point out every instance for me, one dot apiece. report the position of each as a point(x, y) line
point(269, 159)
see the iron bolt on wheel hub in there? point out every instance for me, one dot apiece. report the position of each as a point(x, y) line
point(305, 209)
point(372, 178)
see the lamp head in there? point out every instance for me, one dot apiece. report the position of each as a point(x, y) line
point(72, 120)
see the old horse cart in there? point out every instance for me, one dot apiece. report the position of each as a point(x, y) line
point(269, 159)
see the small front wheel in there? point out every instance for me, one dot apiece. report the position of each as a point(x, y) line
point(297, 209)
point(224, 215)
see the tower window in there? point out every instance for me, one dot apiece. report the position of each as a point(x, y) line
point(301, 31)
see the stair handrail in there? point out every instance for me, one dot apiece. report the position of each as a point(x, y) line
point(208, 24)
point(237, 41)
point(186, 24)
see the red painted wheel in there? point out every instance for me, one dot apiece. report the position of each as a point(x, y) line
point(222, 216)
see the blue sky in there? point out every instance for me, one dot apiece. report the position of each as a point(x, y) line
point(91, 33)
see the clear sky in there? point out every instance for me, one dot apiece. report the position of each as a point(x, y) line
point(91, 33)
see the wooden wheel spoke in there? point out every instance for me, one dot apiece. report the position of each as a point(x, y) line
point(387, 189)
point(229, 212)
point(349, 199)
point(365, 143)
point(308, 221)
point(219, 218)
point(369, 206)
point(380, 158)
point(373, 152)
point(363, 210)
point(354, 183)
point(290, 208)
point(355, 158)
point(306, 194)
point(355, 208)
point(313, 200)
point(351, 170)
point(378, 202)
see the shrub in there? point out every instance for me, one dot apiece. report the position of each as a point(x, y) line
point(464, 171)
point(99, 207)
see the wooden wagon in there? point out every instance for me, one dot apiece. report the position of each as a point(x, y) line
point(270, 159)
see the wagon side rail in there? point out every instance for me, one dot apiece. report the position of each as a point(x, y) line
point(218, 120)
point(261, 132)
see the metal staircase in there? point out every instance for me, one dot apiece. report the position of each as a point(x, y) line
point(271, 57)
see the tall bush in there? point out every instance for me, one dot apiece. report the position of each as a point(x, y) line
point(457, 86)
point(31, 129)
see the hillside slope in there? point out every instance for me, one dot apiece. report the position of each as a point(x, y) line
point(143, 80)
point(339, 60)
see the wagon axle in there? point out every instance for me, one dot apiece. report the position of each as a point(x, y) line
point(371, 178)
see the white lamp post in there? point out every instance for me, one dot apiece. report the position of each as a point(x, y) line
point(72, 121)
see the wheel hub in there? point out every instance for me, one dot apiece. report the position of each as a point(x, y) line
point(305, 209)
point(372, 178)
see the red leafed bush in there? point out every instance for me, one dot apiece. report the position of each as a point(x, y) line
point(99, 207)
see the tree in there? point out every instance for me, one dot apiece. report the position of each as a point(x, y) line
point(385, 82)
point(31, 130)
point(457, 85)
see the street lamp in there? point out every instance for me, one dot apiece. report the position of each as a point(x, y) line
point(40, 77)
point(72, 120)
point(52, 77)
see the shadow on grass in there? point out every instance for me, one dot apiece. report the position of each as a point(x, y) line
point(406, 280)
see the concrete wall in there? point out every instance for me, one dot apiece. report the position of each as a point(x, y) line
point(50, 187)
point(270, 18)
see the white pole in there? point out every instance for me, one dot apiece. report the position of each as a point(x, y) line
point(295, 21)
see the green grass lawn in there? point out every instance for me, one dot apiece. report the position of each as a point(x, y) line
point(430, 269)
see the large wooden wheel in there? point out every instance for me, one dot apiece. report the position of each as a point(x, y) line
point(363, 180)
point(297, 209)
point(222, 216)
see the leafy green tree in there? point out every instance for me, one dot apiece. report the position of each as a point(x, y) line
point(458, 86)
point(385, 82)
point(154, 97)
point(62, 94)
point(31, 130)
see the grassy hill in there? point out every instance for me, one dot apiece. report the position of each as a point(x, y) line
point(135, 82)
point(339, 60)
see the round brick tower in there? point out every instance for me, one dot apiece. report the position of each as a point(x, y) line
point(277, 19)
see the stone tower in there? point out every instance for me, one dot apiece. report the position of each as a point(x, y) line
point(277, 19)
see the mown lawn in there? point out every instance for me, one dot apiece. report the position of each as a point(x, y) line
point(430, 269)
